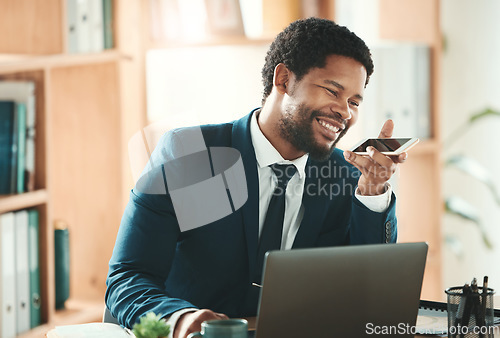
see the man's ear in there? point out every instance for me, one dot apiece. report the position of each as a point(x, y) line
point(281, 78)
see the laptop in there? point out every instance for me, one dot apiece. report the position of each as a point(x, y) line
point(350, 291)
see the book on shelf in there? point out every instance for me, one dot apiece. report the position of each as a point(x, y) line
point(20, 164)
point(22, 94)
point(15, 146)
point(96, 25)
point(107, 13)
point(34, 268)
point(61, 265)
point(19, 272)
point(83, 32)
point(7, 276)
point(71, 26)
point(7, 145)
point(89, 25)
point(22, 271)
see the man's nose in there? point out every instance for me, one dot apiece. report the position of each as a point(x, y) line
point(343, 110)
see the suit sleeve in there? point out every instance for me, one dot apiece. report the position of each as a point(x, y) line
point(349, 221)
point(367, 226)
point(141, 260)
point(145, 248)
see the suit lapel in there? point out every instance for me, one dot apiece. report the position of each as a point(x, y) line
point(250, 211)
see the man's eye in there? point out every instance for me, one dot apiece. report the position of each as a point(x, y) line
point(354, 103)
point(331, 91)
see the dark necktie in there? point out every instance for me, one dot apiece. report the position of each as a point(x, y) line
point(270, 238)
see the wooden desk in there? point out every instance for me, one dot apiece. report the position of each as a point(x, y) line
point(252, 322)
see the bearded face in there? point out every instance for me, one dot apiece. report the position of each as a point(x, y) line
point(300, 126)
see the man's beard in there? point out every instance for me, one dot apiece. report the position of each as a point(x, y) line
point(297, 128)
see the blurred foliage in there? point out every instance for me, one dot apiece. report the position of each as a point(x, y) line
point(458, 206)
point(151, 326)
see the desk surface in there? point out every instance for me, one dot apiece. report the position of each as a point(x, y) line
point(252, 324)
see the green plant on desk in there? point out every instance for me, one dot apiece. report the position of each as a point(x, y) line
point(151, 326)
point(456, 205)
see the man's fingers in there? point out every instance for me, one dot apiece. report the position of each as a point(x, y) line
point(364, 163)
point(387, 128)
point(191, 321)
point(376, 165)
point(401, 158)
point(381, 159)
point(360, 162)
point(222, 316)
point(206, 314)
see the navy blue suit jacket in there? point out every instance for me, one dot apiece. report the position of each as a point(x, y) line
point(157, 267)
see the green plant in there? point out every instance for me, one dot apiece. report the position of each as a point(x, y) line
point(458, 206)
point(151, 326)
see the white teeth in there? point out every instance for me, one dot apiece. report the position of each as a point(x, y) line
point(329, 126)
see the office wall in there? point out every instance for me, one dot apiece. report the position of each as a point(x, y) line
point(204, 84)
point(471, 82)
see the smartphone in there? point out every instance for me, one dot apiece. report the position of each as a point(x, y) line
point(387, 146)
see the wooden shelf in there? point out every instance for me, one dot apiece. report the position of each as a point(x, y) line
point(22, 201)
point(14, 57)
point(23, 63)
point(81, 112)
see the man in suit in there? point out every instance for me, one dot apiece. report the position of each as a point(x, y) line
point(314, 78)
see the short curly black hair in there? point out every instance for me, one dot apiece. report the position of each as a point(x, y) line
point(306, 43)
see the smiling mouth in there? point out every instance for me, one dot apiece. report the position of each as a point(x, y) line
point(328, 126)
point(331, 127)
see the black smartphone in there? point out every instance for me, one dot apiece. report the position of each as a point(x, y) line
point(387, 146)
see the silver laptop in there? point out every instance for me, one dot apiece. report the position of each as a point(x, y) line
point(351, 291)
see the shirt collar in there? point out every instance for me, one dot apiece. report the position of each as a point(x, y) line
point(266, 154)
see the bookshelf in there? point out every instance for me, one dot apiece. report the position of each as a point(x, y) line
point(87, 107)
point(39, 198)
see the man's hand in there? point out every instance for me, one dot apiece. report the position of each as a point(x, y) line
point(191, 322)
point(376, 168)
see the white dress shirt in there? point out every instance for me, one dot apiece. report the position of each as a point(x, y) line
point(266, 155)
